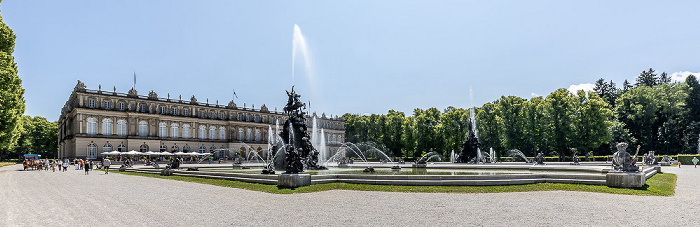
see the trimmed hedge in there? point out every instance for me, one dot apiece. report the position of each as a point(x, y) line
point(686, 158)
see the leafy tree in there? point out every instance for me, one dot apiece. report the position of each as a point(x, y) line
point(393, 130)
point(489, 125)
point(607, 91)
point(38, 136)
point(637, 108)
point(618, 134)
point(664, 79)
point(592, 122)
point(626, 86)
point(536, 126)
point(453, 129)
point(425, 131)
point(692, 101)
point(11, 91)
point(408, 138)
point(512, 114)
point(560, 105)
point(647, 78)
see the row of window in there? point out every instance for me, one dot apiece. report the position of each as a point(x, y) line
point(92, 149)
point(174, 130)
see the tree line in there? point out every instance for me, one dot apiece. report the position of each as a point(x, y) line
point(655, 113)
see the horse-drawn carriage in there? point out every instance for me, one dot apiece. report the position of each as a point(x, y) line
point(33, 162)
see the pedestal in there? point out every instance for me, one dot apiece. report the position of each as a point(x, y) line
point(625, 180)
point(166, 172)
point(419, 165)
point(122, 168)
point(293, 180)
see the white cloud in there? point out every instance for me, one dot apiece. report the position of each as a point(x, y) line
point(585, 87)
point(680, 76)
point(533, 94)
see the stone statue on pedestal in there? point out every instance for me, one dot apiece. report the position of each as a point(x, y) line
point(622, 161)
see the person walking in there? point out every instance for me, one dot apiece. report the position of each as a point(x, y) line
point(695, 162)
point(679, 164)
point(86, 167)
point(65, 166)
point(105, 165)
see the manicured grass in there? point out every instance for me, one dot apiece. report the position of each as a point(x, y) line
point(658, 185)
point(3, 164)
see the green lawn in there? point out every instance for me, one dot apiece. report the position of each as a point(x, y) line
point(659, 185)
point(3, 164)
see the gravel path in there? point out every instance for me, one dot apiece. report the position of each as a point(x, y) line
point(71, 198)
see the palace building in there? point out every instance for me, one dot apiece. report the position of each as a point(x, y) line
point(96, 121)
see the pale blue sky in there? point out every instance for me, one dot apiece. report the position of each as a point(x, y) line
point(367, 56)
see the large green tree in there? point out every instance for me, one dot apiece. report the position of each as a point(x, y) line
point(11, 91)
point(453, 129)
point(593, 120)
point(38, 136)
point(560, 106)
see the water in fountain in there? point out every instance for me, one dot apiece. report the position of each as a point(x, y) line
point(492, 155)
point(315, 137)
point(270, 142)
point(452, 156)
point(516, 152)
point(322, 148)
point(299, 45)
point(472, 118)
point(698, 143)
point(428, 156)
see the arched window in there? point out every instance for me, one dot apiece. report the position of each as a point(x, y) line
point(107, 148)
point(202, 149)
point(174, 131)
point(202, 132)
point(91, 126)
point(257, 134)
point(186, 131)
point(334, 139)
point(174, 111)
point(107, 127)
point(121, 148)
point(212, 132)
point(222, 133)
point(222, 116)
point(143, 128)
point(91, 151)
point(212, 149)
point(143, 148)
point(249, 135)
point(186, 148)
point(240, 134)
point(91, 103)
point(121, 128)
point(201, 114)
point(174, 149)
point(212, 115)
point(107, 105)
point(122, 107)
point(162, 130)
point(163, 148)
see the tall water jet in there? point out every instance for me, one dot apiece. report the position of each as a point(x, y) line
point(471, 151)
point(314, 132)
point(323, 152)
point(299, 45)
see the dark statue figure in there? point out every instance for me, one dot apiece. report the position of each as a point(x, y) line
point(299, 154)
point(470, 148)
point(539, 159)
point(576, 160)
point(622, 161)
point(650, 159)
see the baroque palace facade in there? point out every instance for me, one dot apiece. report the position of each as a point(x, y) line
point(96, 121)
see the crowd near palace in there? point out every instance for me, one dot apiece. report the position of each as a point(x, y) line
point(97, 121)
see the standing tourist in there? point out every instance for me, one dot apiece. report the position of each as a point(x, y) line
point(105, 165)
point(86, 167)
point(679, 164)
point(65, 165)
point(695, 162)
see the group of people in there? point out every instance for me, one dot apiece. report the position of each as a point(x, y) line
point(62, 165)
point(46, 164)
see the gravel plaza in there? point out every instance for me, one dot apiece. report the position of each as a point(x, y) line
point(71, 198)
